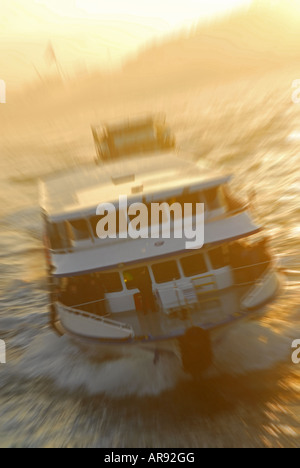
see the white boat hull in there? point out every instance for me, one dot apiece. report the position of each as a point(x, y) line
point(262, 292)
point(90, 326)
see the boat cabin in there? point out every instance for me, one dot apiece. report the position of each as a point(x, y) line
point(107, 271)
point(115, 141)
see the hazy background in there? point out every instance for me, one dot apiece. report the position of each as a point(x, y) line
point(89, 34)
point(71, 57)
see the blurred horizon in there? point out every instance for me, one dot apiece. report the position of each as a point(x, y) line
point(261, 35)
point(239, 48)
point(87, 36)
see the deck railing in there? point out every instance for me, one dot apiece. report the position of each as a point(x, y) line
point(98, 318)
point(249, 268)
point(187, 296)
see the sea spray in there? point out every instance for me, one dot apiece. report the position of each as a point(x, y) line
point(65, 363)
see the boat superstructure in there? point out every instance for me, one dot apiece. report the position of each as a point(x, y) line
point(95, 282)
point(131, 138)
point(153, 291)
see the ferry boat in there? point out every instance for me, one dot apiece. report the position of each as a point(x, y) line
point(153, 292)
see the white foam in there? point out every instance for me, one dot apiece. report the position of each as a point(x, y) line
point(243, 348)
point(253, 346)
point(65, 363)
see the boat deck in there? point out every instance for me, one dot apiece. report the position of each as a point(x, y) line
point(211, 311)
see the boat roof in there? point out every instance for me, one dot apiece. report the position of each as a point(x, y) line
point(146, 177)
point(133, 123)
point(130, 125)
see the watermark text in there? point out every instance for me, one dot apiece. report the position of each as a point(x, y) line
point(154, 220)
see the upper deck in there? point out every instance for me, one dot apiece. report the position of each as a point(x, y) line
point(147, 179)
point(130, 138)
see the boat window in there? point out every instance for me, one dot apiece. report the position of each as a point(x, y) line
point(213, 199)
point(188, 198)
point(219, 257)
point(111, 282)
point(54, 237)
point(131, 277)
point(58, 236)
point(152, 220)
point(183, 199)
point(78, 229)
point(166, 272)
point(94, 220)
point(131, 140)
point(194, 265)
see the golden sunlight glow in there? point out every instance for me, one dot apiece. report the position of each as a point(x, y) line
point(89, 33)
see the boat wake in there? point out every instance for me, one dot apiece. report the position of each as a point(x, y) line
point(243, 349)
point(64, 363)
point(253, 346)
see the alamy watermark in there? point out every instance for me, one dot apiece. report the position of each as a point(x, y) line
point(296, 353)
point(154, 220)
point(2, 92)
point(2, 352)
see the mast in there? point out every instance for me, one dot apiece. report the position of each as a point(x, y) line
point(51, 58)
